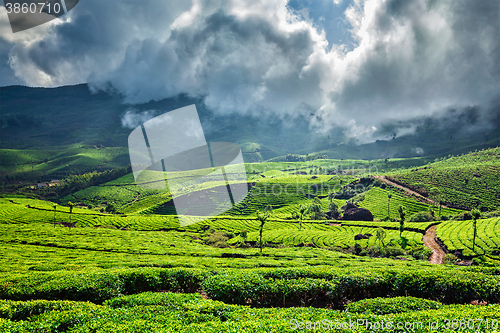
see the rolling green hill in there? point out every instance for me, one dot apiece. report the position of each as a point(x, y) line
point(377, 201)
point(469, 181)
point(54, 132)
point(139, 270)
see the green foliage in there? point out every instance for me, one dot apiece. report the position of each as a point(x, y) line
point(420, 252)
point(450, 259)
point(262, 217)
point(315, 210)
point(380, 234)
point(469, 180)
point(302, 211)
point(475, 214)
point(459, 235)
point(421, 217)
point(110, 208)
point(382, 306)
point(218, 239)
point(376, 201)
point(121, 270)
point(168, 312)
point(321, 235)
point(402, 215)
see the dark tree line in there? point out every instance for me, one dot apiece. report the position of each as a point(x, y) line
point(19, 121)
point(76, 183)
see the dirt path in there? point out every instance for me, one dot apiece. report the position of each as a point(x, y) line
point(387, 181)
point(437, 256)
point(136, 198)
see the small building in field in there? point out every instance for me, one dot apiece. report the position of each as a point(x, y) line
point(42, 185)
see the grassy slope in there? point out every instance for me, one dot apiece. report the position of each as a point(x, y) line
point(470, 180)
point(459, 235)
point(40, 260)
point(72, 118)
point(57, 163)
point(377, 201)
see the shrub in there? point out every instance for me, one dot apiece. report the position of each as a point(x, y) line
point(217, 239)
point(356, 249)
point(450, 259)
point(16, 310)
point(393, 251)
point(168, 299)
point(420, 252)
point(463, 216)
point(422, 216)
point(244, 234)
point(495, 213)
point(378, 251)
point(382, 306)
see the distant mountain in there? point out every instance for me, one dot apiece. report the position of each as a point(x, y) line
point(43, 118)
point(71, 117)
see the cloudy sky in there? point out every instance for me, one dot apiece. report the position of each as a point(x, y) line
point(353, 63)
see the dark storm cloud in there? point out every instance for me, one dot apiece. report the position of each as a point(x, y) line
point(417, 58)
point(412, 58)
point(6, 74)
point(239, 64)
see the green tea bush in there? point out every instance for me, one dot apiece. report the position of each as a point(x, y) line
point(148, 312)
point(423, 216)
point(487, 215)
point(259, 287)
point(381, 306)
point(167, 299)
point(219, 238)
point(16, 310)
point(459, 235)
point(420, 252)
point(381, 252)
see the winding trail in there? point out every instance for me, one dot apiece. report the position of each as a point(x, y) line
point(437, 256)
point(387, 181)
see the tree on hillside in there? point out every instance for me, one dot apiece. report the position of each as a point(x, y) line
point(389, 196)
point(380, 234)
point(315, 209)
point(441, 203)
point(302, 212)
point(244, 235)
point(71, 205)
point(55, 208)
point(436, 195)
point(476, 214)
point(332, 207)
point(263, 217)
point(402, 216)
point(110, 208)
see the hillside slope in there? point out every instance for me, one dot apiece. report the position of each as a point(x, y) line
point(42, 125)
point(468, 181)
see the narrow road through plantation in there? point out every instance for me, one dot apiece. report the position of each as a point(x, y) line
point(387, 181)
point(437, 256)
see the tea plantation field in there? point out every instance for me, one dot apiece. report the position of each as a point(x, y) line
point(136, 269)
point(459, 235)
point(470, 181)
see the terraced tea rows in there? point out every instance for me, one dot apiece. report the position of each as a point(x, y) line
point(29, 211)
point(414, 226)
point(376, 200)
point(459, 235)
point(332, 236)
point(471, 180)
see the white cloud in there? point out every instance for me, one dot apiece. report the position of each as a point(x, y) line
point(413, 58)
point(134, 118)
